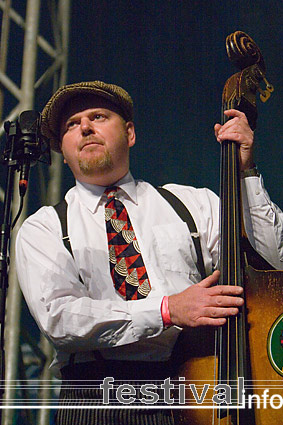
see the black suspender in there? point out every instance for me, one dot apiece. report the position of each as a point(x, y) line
point(61, 210)
point(186, 216)
point(173, 200)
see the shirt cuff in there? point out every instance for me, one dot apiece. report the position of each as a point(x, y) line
point(253, 191)
point(146, 317)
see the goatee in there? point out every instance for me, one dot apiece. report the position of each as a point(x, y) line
point(97, 163)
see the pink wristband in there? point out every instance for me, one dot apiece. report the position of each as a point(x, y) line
point(165, 312)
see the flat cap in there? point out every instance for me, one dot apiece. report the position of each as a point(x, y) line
point(52, 112)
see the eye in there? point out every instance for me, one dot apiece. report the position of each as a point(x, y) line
point(71, 124)
point(98, 117)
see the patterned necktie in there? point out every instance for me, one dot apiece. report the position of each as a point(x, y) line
point(126, 264)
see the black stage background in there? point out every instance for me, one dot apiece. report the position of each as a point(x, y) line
point(171, 57)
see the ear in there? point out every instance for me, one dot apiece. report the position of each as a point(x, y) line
point(130, 129)
point(64, 160)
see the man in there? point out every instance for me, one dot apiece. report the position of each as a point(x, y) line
point(106, 314)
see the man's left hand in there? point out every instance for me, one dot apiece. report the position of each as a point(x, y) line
point(237, 129)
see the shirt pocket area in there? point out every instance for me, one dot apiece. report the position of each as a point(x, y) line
point(175, 248)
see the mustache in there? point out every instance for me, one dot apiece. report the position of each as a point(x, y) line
point(87, 140)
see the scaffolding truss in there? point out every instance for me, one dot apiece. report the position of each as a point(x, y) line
point(33, 64)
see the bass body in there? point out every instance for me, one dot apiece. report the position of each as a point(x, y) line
point(237, 369)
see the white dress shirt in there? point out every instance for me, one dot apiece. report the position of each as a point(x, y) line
point(79, 318)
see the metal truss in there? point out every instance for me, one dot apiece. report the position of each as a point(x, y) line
point(27, 79)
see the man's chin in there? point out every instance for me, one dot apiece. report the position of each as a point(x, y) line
point(90, 166)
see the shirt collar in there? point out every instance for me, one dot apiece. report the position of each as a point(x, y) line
point(91, 194)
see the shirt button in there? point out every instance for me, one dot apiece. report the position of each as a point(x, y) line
point(257, 192)
point(149, 332)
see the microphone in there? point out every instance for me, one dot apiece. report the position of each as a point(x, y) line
point(25, 145)
point(29, 144)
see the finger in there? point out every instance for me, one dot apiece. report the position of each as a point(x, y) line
point(219, 319)
point(243, 138)
point(229, 134)
point(237, 120)
point(216, 312)
point(232, 129)
point(226, 301)
point(234, 113)
point(235, 125)
point(208, 321)
point(217, 127)
point(210, 280)
point(226, 290)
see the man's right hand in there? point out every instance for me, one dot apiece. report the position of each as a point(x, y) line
point(203, 304)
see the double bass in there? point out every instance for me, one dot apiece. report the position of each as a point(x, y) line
point(246, 355)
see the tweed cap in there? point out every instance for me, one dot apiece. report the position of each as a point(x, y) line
point(52, 112)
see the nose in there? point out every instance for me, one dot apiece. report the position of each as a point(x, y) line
point(86, 126)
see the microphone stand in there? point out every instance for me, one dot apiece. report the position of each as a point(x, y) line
point(24, 146)
point(5, 235)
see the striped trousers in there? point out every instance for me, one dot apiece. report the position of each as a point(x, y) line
point(81, 387)
point(110, 416)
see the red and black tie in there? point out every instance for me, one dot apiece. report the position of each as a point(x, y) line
point(126, 263)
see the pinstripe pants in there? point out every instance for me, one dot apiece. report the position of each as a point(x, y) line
point(71, 396)
point(78, 390)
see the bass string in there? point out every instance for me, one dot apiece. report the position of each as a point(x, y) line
point(230, 205)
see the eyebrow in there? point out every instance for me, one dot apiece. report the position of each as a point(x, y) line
point(72, 118)
point(92, 111)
